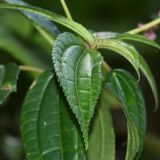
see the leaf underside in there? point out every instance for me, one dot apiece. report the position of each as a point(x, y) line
point(79, 72)
point(72, 25)
point(8, 80)
point(48, 129)
point(46, 27)
point(126, 89)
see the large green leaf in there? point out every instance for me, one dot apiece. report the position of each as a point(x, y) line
point(74, 26)
point(126, 89)
point(102, 138)
point(126, 50)
point(48, 128)
point(8, 80)
point(79, 72)
point(137, 38)
point(46, 28)
point(148, 74)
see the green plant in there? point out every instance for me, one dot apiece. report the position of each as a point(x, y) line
point(79, 82)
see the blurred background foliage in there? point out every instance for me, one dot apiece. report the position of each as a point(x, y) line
point(98, 15)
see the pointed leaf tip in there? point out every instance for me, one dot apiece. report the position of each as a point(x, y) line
point(79, 72)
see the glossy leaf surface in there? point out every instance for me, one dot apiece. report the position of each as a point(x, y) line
point(126, 89)
point(48, 129)
point(102, 138)
point(8, 80)
point(79, 72)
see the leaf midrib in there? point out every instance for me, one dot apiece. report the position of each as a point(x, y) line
point(76, 88)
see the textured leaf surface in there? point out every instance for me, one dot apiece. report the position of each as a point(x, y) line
point(124, 49)
point(79, 73)
point(137, 38)
point(42, 24)
point(102, 138)
point(48, 130)
point(148, 74)
point(8, 80)
point(126, 89)
point(74, 26)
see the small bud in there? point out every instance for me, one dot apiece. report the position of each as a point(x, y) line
point(150, 34)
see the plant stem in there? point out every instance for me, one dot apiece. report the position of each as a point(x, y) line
point(30, 69)
point(66, 10)
point(145, 26)
point(106, 67)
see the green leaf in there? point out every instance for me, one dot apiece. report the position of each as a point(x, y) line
point(46, 28)
point(148, 74)
point(126, 89)
point(8, 80)
point(48, 129)
point(102, 138)
point(137, 38)
point(79, 72)
point(124, 49)
point(17, 51)
point(74, 26)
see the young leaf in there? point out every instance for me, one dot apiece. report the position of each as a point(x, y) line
point(8, 80)
point(48, 129)
point(102, 138)
point(124, 49)
point(148, 74)
point(137, 38)
point(79, 72)
point(46, 28)
point(126, 89)
point(74, 26)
